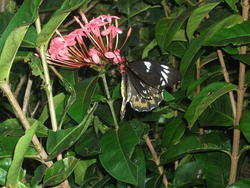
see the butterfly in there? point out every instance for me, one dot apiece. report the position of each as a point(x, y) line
point(143, 83)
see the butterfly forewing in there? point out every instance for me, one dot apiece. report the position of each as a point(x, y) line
point(155, 74)
point(143, 83)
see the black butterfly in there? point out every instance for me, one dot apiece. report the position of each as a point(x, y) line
point(143, 83)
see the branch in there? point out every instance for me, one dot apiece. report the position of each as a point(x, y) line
point(239, 106)
point(19, 113)
point(156, 159)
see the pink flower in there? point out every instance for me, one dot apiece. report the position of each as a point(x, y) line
point(58, 49)
point(113, 30)
point(115, 56)
point(94, 42)
point(94, 55)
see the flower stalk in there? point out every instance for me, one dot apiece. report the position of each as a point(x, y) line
point(110, 101)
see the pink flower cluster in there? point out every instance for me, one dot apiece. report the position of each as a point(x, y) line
point(93, 44)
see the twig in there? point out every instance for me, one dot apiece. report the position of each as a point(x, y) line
point(156, 159)
point(226, 77)
point(27, 96)
point(110, 101)
point(198, 89)
point(35, 109)
point(48, 87)
point(20, 85)
point(19, 113)
point(239, 106)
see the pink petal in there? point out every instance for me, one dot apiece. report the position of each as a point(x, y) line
point(110, 55)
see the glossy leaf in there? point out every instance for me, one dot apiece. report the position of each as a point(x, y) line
point(12, 127)
point(243, 183)
point(173, 132)
point(14, 34)
point(244, 124)
point(198, 42)
point(206, 97)
point(88, 144)
point(232, 4)
point(216, 173)
point(149, 47)
point(167, 28)
point(8, 144)
point(55, 21)
point(236, 35)
point(21, 148)
point(4, 167)
point(59, 107)
point(63, 139)
point(197, 16)
point(245, 58)
point(84, 93)
point(139, 160)
point(192, 144)
point(59, 171)
point(38, 175)
point(25, 16)
point(188, 174)
point(117, 147)
point(81, 169)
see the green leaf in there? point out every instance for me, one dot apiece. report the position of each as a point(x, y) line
point(26, 15)
point(38, 175)
point(245, 58)
point(243, 183)
point(85, 90)
point(5, 18)
point(244, 124)
point(188, 175)
point(59, 171)
point(193, 144)
point(117, 147)
point(30, 38)
point(4, 167)
point(12, 127)
point(173, 132)
point(20, 150)
point(216, 173)
point(198, 42)
point(237, 35)
point(59, 107)
point(8, 144)
point(167, 28)
point(232, 4)
point(206, 97)
point(81, 169)
point(149, 47)
point(197, 16)
point(14, 34)
point(88, 144)
point(63, 139)
point(139, 160)
point(55, 21)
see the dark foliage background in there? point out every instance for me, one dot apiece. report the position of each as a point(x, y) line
point(191, 140)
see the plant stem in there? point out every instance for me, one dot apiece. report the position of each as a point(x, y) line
point(156, 159)
point(239, 106)
point(26, 97)
point(48, 87)
point(110, 101)
point(198, 89)
point(226, 78)
point(19, 113)
point(20, 85)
